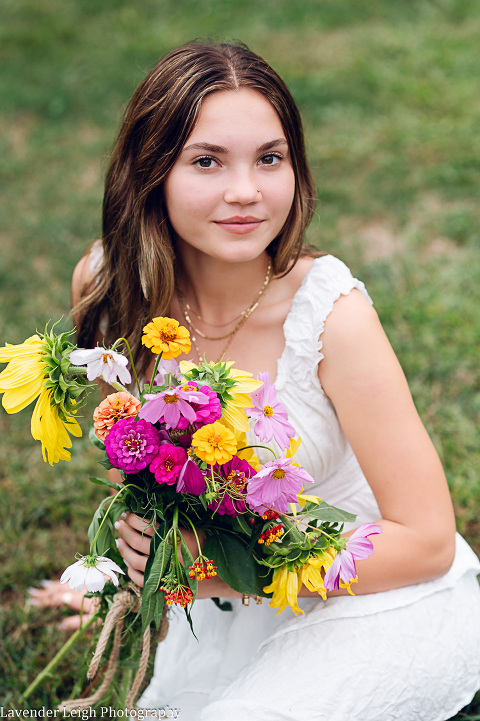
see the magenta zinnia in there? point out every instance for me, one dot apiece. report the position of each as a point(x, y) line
point(132, 445)
point(168, 463)
point(276, 484)
point(270, 415)
point(343, 571)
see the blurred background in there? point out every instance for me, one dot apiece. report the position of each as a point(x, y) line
point(389, 92)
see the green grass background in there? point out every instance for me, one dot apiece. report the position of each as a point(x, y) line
point(390, 95)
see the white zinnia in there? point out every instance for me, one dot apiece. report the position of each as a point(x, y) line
point(89, 571)
point(102, 363)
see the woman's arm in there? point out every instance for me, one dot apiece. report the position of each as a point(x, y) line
point(362, 377)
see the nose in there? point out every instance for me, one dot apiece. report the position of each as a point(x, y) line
point(242, 188)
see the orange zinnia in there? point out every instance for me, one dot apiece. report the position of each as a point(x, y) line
point(214, 443)
point(166, 336)
point(115, 407)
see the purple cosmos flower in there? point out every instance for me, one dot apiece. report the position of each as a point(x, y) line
point(276, 484)
point(172, 404)
point(191, 479)
point(102, 363)
point(236, 474)
point(166, 367)
point(131, 445)
point(271, 416)
point(168, 463)
point(343, 570)
point(207, 412)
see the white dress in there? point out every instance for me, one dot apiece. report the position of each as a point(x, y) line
point(411, 653)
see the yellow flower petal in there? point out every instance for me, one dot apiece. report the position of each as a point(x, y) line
point(48, 428)
point(284, 587)
point(214, 443)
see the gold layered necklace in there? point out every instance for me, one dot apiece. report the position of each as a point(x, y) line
point(243, 317)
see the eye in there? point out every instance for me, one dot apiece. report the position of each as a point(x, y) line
point(271, 159)
point(205, 162)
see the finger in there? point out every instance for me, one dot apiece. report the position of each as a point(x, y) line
point(136, 577)
point(73, 623)
point(134, 560)
point(143, 525)
point(138, 541)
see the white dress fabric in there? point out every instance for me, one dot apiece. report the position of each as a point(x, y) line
point(411, 653)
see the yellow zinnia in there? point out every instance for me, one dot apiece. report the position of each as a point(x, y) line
point(25, 379)
point(166, 336)
point(285, 587)
point(214, 443)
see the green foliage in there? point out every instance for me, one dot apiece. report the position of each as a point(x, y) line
point(388, 91)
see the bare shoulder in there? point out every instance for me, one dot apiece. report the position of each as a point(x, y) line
point(357, 352)
point(83, 275)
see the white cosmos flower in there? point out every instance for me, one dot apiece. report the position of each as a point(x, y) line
point(102, 363)
point(89, 571)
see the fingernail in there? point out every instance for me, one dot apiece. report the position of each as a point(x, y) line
point(46, 583)
point(32, 591)
point(117, 525)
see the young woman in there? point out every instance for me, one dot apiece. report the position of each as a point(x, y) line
point(207, 199)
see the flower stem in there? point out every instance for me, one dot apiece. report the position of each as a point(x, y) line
point(131, 359)
point(159, 357)
point(115, 498)
point(58, 657)
point(245, 448)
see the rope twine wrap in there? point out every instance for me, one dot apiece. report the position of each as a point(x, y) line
point(123, 602)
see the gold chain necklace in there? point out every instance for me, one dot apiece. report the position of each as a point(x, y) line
point(243, 316)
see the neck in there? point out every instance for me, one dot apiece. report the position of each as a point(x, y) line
point(218, 290)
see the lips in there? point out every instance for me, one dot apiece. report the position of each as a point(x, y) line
point(239, 223)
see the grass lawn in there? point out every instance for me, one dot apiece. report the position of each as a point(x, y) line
point(389, 94)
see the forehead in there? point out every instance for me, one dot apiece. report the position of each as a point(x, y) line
point(233, 113)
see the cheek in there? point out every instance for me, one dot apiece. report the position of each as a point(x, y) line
point(186, 198)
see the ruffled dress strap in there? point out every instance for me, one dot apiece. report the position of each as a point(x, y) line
point(325, 282)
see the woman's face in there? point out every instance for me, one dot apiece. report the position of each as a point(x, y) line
point(230, 191)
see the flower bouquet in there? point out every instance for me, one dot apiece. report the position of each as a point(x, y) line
point(186, 444)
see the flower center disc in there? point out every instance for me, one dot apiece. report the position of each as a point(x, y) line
point(268, 411)
point(279, 473)
point(171, 399)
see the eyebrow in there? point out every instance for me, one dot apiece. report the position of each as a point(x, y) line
point(220, 149)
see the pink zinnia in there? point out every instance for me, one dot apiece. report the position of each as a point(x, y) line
point(271, 416)
point(236, 473)
point(207, 412)
point(191, 479)
point(168, 463)
point(131, 445)
point(276, 484)
point(172, 404)
point(358, 547)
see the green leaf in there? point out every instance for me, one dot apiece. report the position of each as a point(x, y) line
point(156, 566)
point(323, 511)
point(235, 565)
point(93, 438)
point(105, 482)
point(152, 608)
point(106, 536)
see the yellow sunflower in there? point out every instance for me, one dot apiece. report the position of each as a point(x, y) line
point(166, 336)
point(23, 380)
point(214, 443)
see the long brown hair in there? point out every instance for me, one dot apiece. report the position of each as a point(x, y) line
point(136, 279)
